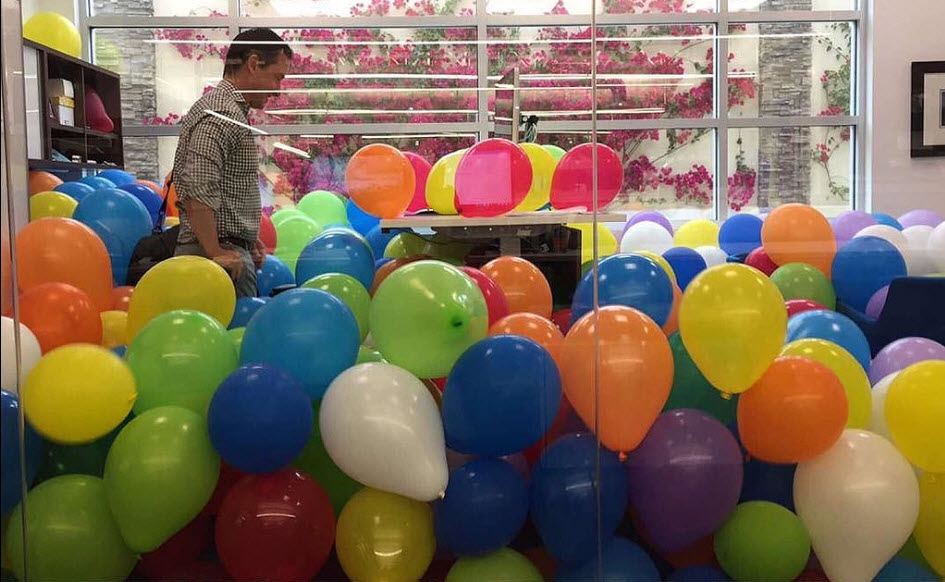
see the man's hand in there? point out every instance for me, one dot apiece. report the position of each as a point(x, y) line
point(259, 253)
point(230, 260)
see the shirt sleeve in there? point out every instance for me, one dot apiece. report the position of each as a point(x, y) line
point(200, 176)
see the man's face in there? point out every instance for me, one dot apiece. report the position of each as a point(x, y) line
point(266, 79)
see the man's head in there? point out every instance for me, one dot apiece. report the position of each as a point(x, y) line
point(256, 62)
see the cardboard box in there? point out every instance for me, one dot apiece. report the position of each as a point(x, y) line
point(60, 88)
point(63, 110)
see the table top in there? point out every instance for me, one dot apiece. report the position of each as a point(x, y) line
point(542, 217)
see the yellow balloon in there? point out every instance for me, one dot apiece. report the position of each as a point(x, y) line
point(170, 221)
point(55, 31)
point(543, 169)
point(78, 393)
point(659, 260)
point(915, 414)
point(697, 233)
point(441, 183)
point(51, 204)
point(182, 283)
point(384, 537)
point(930, 528)
point(733, 323)
point(848, 370)
point(114, 324)
point(606, 241)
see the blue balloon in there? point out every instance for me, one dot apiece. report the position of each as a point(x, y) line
point(740, 234)
point(273, 273)
point(336, 251)
point(118, 177)
point(768, 482)
point(862, 267)
point(10, 470)
point(887, 220)
point(120, 351)
point(260, 419)
point(77, 190)
point(120, 220)
point(501, 396)
point(96, 182)
point(698, 574)
point(359, 219)
point(564, 495)
point(831, 326)
point(378, 239)
point(307, 332)
point(900, 569)
point(630, 280)
point(485, 506)
point(245, 308)
point(686, 264)
point(621, 561)
point(381, 262)
point(147, 196)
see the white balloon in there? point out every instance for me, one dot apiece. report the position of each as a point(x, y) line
point(878, 414)
point(894, 237)
point(29, 354)
point(859, 502)
point(713, 255)
point(917, 238)
point(936, 248)
point(646, 236)
point(381, 426)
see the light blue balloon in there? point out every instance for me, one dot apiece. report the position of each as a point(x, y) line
point(77, 190)
point(246, 307)
point(117, 177)
point(336, 251)
point(831, 326)
point(120, 220)
point(97, 182)
point(273, 273)
point(887, 220)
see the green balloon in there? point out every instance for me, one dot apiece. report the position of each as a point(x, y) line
point(692, 390)
point(293, 234)
point(762, 541)
point(556, 152)
point(405, 245)
point(178, 359)
point(315, 461)
point(159, 474)
point(349, 290)
point(424, 315)
point(324, 208)
point(281, 215)
point(504, 564)
point(366, 354)
point(803, 281)
point(84, 459)
point(910, 551)
point(236, 334)
point(71, 533)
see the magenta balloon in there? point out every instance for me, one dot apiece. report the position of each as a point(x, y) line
point(421, 170)
point(573, 183)
point(921, 217)
point(685, 478)
point(847, 224)
point(648, 216)
point(876, 303)
point(902, 353)
point(492, 178)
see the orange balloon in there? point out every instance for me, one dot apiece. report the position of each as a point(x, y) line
point(672, 322)
point(59, 314)
point(526, 288)
point(6, 275)
point(171, 194)
point(798, 233)
point(381, 180)
point(534, 327)
point(42, 182)
point(795, 412)
point(122, 297)
point(152, 185)
point(636, 373)
point(62, 250)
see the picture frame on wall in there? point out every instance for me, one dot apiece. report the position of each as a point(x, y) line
point(928, 109)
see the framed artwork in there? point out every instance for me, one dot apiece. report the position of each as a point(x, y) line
point(928, 109)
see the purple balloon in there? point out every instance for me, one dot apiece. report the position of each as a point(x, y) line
point(685, 478)
point(847, 224)
point(876, 303)
point(648, 216)
point(921, 217)
point(902, 353)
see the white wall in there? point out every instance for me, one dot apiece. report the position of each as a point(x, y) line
point(64, 7)
point(903, 31)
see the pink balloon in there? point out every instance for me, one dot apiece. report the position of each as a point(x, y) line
point(573, 182)
point(493, 177)
point(421, 170)
point(496, 303)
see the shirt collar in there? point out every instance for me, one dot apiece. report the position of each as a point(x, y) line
point(227, 88)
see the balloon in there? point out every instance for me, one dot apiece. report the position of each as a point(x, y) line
point(55, 31)
point(62, 250)
point(42, 182)
point(928, 527)
point(382, 536)
point(606, 241)
point(743, 306)
point(184, 547)
point(795, 306)
point(152, 201)
point(803, 281)
point(421, 171)
point(936, 247)
point(71, 534)
point(847, 224)
point(878, 412)
point(887, 220)
point(380, 180)
point(208, 289)
point(915, 407)
point(900, 569)
point(503, 564)
point(121, 297)
point(179, 359)
point(573, 182)
point(496, 304)
point(404, 245)
point(896, 238)
point(845, 494)
point(921, 217)
point(117, 177)
point(917, 242)
point(571, 501)
point(441, 183)
point(323, 207)
point(280, 216)
point(697, 233)
point(902, 353)
point(336, 252)
point(698, 574)
point(620, 559)
point(686, 264)
point(543, 168)
point(740, 234)
point(76, 190)
point(97, 182)
point(556, 152)
point(851, 375)
point(28, 348)
point(646, 236)
point(245, 308)
point(267, 233)
point(833, 327)
point(685, 478)
point(659, 260)
point(160, 472)
point(426, 332)
point(359, 219)
point(273, 273)
point(51, 204)
point(534, 327)
point(797, 233)
point(692, 390)
point(627, 280)
point(315, 462)
point(84, 459)
point(114, 324)
point(526, 288)
point(294, 234)
point(277, 527)
point(762, 541)
point(760, 260)
point(157, 189)
point(649, 216)
point(492, 178)
point(59, 314)
point(13, 447)
point(308, 332)
point(350, 291)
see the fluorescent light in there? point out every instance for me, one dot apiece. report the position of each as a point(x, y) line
point(418, 135)
point(288, 148)
point(377, 76)
point(364, 111)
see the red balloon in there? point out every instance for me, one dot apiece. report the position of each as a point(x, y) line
point(198, 571)
point(562, 318)
point(267, 233)
point(421, 170)
point(492, 178)
point(182, 548)
point(227, 479)
point(495, 299)
point(573, 183)
point(60, 314)
point(760, 260)
point(277, 527)
point(122, 297)
point(795, 306)
point(566, 421)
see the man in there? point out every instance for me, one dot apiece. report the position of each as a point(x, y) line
point(216, 166)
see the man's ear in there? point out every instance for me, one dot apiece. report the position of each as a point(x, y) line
point(253, 63)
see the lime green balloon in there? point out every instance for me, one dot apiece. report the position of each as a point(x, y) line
point(236, 334)
point(366, 354)
point(324, 207)
point(502, 565)
point(405, 245)
point(424, 315)
point(292, 235)
point(349, 290)
point(803, 281)
point(178, 359)
point(159, 474)
point(84, 459)
point(283, 214)
point(314, 460)
point(910, 551)
point(556, 152)
point(762, 541)
point(692, 390)
point(71, 534)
